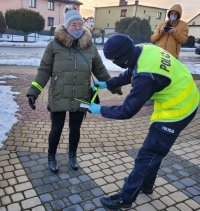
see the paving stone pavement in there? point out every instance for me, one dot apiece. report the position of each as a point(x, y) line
point(106, 155)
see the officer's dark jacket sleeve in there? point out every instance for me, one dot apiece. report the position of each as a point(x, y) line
point(143, 87)
point(123, 79)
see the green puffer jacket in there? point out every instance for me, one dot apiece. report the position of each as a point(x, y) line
point(68, 65)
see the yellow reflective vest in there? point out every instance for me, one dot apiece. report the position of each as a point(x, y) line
point(181, 97)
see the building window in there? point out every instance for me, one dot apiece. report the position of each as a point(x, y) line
point(144, 11)
point(123, 13)
point(50, 21)
point(50, 5)
point(108, 11)
point(159, 15)
point(108, 24)
point(32, 3)
point(193, 23)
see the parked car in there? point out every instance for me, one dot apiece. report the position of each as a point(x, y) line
point(197, 49)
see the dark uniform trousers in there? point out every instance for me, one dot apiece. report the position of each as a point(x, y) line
point(160, 138)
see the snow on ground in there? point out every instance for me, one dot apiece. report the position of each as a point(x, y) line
point(20, 62)
point(194, 68)
point(41, 41)
point(8, 108)
point(16, 40)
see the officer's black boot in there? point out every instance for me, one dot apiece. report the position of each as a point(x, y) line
point(144, 189)
point(73, 160)
point(53, 166)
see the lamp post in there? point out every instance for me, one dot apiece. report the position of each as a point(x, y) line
point(59, 5)
point(136, 5)
point(21, 3)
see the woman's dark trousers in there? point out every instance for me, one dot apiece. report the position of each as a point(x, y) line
point(58, 120)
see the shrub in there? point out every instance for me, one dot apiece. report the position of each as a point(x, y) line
point(2, 23)
point(139, 30)
point(24, 20)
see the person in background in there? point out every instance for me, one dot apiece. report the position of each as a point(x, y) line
point(68, 62)
point(154, 73)
point(170, 34)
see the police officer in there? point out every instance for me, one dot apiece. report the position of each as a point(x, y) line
point(155, 74)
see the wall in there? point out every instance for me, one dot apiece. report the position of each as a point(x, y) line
point(194, 27)
point(41, 7)
point(151, 13)
point(195, 21)
point(106, 20)
point(10, 4)
point(194, 31)
point(106, 17)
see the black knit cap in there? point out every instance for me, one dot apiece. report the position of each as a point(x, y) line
point(118, 47)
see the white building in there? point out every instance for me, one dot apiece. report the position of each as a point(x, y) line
point(194, 27)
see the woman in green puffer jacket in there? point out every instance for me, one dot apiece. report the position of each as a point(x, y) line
point(68, 61)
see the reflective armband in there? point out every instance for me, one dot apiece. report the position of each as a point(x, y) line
point(37, 86)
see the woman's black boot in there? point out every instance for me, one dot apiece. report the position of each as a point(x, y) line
point(73, 161)
point(53, 166)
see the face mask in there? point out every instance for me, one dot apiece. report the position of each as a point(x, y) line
point(173, 17)
point(76, 34)
point(122, 65)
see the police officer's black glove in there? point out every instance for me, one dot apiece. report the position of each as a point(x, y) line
point(31, 101)
point(117, 90)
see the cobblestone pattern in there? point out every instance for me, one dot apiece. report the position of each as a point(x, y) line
point(106, 155)
point(180, 173)
point(16, 190)
point(31, 132)
point(177, 183)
